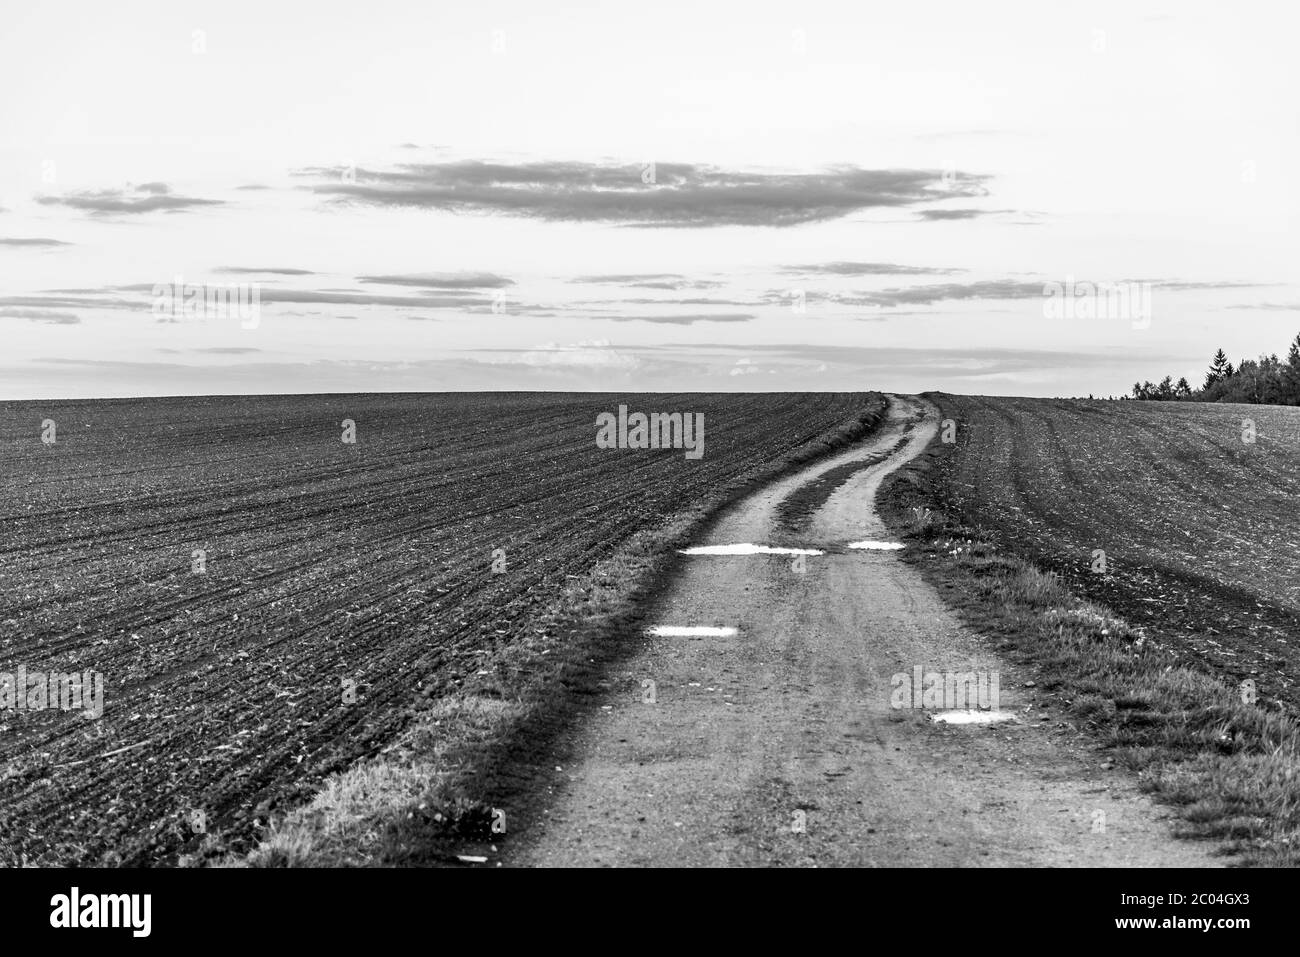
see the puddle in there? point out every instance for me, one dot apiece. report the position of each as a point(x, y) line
point(972, 717)
point(745, 548)
point(691, 631)
point(878, 546)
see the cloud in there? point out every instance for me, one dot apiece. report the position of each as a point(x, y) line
point(142, 298)
point(680, 194)
point(470, 291)
point(31, 241)
point(430, 301)
point(669, 281)
point(924, 295)
point(253, 186)
point(677, 286)
point(949, 215)
point(42, 315)
point(685, 320)
point(927, 363)
point(990, 289)
point(1182, 285)
point(941, 214)
point(68, 302)
point(694, 301)
point(149, 198)
point(246, 270)
point(628, 277)
point(227, 350)
point(869, 269)
point(461, 280)
point(1279, 306)
point(274, 294)
point(591, 354)
point(368, 299)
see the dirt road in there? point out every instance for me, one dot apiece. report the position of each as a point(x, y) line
point(776, 743)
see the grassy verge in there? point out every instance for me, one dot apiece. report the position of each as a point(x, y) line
point(470, 763)
point(1228, 765)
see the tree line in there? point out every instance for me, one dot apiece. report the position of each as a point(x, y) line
point(1267, 380)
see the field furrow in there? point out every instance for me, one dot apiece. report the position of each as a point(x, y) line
point(323, 562)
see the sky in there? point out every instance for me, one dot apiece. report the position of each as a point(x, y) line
point(659, 197)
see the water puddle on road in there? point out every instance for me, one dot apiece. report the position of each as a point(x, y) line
point(972, 717)
point(878, 546)
point(746, 548)
point(691, 631)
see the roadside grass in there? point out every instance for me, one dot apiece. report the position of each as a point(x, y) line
point(1228, 764)
point(468, 764)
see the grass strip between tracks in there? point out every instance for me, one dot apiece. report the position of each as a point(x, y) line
point(471, 764)
point(1228, 767)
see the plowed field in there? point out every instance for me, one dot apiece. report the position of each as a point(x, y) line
point(1200, 529)
point(324, 562)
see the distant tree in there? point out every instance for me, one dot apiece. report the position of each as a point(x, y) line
point(1220, 368)
point(1260, 381)
point(1273, 380)
point(1291, 374)
point(1246, 388)
point(1266, 380)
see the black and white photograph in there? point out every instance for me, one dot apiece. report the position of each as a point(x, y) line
point(529, 437)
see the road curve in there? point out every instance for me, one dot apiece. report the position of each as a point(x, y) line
point(777, 745)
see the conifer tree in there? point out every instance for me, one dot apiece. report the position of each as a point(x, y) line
point(1220, 368)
